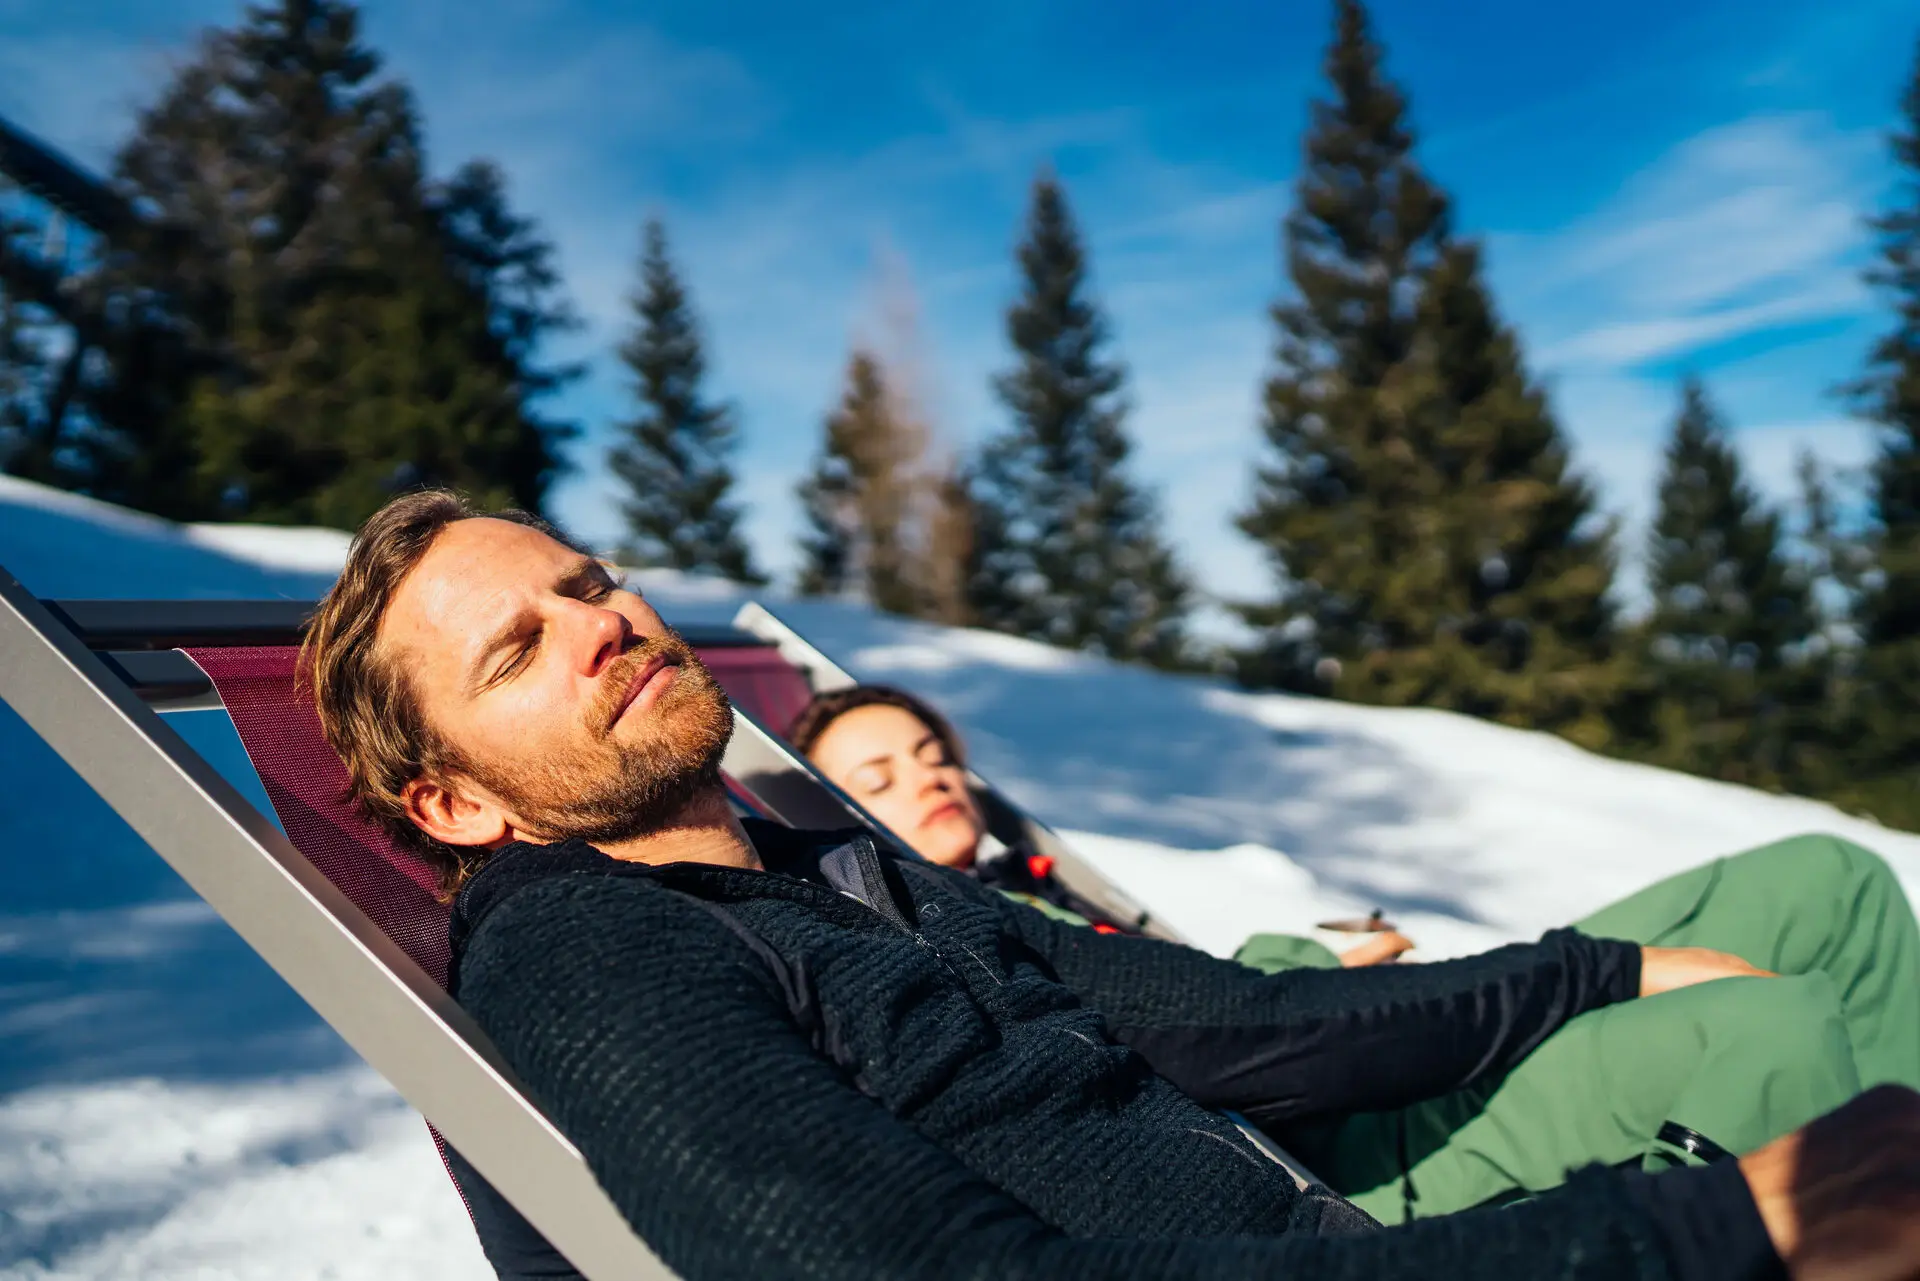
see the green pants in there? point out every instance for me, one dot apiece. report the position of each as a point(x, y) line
point(1738, 1060)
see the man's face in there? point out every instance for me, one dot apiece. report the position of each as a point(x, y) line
point(573, 710)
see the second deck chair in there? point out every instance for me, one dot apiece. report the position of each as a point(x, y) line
point(1006, 821)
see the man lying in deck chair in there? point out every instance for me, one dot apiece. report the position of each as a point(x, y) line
point(1739, 1063)
point(798, 1054)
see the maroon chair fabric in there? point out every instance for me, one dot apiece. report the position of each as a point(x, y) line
point(760, 682)
point(308, 787)
point(307, 784)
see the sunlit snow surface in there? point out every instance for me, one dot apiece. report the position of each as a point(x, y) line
point(169, 1109)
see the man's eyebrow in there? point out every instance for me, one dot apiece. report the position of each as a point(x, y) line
point(585, 569)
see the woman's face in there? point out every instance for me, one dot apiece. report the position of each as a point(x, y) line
point(893, 763)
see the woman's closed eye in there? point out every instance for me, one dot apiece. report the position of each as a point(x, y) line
point(871, 780)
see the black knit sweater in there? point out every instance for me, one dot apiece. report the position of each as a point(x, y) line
point(772, 1079)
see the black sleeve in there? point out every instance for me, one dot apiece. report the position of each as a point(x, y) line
point(662, 1047)
point(1302, 1043)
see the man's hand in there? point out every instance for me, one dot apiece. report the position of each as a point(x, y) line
point(1380, 948)
point(1841, 1197)
point(1668, 969)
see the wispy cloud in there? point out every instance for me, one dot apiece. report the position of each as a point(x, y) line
point(1626, 344)
point(1742, 229)
point(1734, 254)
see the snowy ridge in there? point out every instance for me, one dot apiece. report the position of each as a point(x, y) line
point(169, 1109)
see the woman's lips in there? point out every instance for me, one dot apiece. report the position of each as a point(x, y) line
point(950, 810)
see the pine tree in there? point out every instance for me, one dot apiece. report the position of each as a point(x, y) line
point(1338, 499)
point(91, 370)
point(1836, 557)
point(1432, 543)
point(952, 552)
point(675, 456)
point(24, 448)
point(1507, 614)
point(1726, 647)
point(1887, 726)
point(505, 264)
point(363, 344)
point(1840, 559)
point(865, 499)
point(1067, 547)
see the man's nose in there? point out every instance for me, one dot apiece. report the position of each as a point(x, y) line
point(604, 635)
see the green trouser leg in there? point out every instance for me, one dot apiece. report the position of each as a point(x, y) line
point(1807, 905)
point(1741, 1061)
point(1275, 952)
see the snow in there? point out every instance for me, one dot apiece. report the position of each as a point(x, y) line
point(169, 1109)
point(328, 1176)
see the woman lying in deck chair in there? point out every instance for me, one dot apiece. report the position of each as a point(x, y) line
point(799, 1054)
point(1736, 1063)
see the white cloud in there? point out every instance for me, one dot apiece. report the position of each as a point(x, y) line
point(1629, 343)
point(1735, 240)
point(1737, 231)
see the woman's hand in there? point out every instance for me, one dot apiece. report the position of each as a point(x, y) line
point(1668, 969)
point(1381, 948)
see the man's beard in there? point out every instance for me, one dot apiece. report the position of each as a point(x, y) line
point(608, 790)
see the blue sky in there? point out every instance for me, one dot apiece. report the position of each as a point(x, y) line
point(1665, 187)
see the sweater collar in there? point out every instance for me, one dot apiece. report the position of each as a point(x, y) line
point(784, 850)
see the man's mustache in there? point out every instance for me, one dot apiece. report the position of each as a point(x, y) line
point(611, 699)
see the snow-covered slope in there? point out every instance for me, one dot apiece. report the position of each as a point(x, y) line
point(169, 1109)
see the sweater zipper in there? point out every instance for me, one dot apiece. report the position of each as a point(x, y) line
point(921, 940)
point(873, 880)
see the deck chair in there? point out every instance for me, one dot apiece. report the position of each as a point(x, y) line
point(346, 917)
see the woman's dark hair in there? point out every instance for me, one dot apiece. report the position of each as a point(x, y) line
point(829, 707)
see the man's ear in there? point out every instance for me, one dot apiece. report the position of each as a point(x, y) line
point(449, 812)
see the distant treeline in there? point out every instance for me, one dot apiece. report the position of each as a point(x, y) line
point(307, 324)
